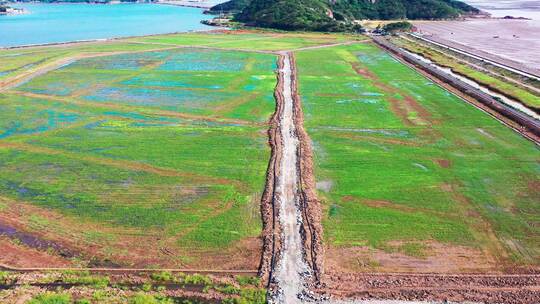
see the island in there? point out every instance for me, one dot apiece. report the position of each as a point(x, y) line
point(338, 15)
point(6, 10)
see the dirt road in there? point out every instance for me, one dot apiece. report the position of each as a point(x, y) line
point(291, 269)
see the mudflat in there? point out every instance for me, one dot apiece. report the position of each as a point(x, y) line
point(513, 40)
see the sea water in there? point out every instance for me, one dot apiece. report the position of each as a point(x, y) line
point(52, 23)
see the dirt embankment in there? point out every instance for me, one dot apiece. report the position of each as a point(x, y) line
point(269, 210)
point(508, 289)
point(291, 274)
point(311, 207)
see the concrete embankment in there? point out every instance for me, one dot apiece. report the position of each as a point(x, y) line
point(527, 125)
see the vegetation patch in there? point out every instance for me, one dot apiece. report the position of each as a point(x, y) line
point(378, 128)
point(336, 16)
point(164, 148)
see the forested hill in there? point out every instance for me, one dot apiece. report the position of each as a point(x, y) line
point(336, 15)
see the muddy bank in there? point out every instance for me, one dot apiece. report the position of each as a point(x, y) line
point(311, 207)
point(19, 255)
point(34, 241)
point(513, 43)
point(269, 209)
point(50, 250)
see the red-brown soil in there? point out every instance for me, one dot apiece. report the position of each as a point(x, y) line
point(271, 242)
point(130, 248)
point(523, 289)
point(436, 258)
point(311, 206)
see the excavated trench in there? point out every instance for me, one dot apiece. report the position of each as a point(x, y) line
point(291, 267)
point(291, 270)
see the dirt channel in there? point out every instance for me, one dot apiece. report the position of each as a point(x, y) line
point(288, 280)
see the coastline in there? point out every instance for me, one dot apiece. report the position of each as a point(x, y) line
point(183, 3)
point(11, 11)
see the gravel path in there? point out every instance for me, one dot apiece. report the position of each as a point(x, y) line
point(290, 271)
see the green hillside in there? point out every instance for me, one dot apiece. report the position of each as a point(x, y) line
point(337, 15)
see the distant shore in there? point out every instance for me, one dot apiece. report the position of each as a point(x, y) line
point(204, 4)
point(111, 39)
point(7, 10)
point(196, 4)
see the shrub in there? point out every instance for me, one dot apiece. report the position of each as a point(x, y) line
point(247, 280)
point(142, 298)
point(51, 298)
point(401, 26)
point(163, 276)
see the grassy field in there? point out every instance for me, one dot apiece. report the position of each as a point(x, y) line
point(144, 159)
point(262, 41)
point(18, 61)
point(156, 154)
point(413, 178)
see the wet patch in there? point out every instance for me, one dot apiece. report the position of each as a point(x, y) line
point(325, 185)
point(424, 168)
point(33, 241)
point(484, 132)
point(392, 133)
point(38, 122)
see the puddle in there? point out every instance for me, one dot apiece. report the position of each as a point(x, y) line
point(372, 94)
point(44, 121)
point(395, 133)
point(365, 101)
point(325, 185)
point(421, 166)
point(484, 132)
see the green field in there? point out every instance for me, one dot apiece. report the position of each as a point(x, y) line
point(17, 61)
point(406, 168)
point(153, 151)
point(262, 41)
point(143, 151)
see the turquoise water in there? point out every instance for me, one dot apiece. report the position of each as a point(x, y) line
point(48, 23)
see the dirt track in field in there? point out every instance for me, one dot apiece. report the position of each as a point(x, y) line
point(289, 272)
point(296, 255)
